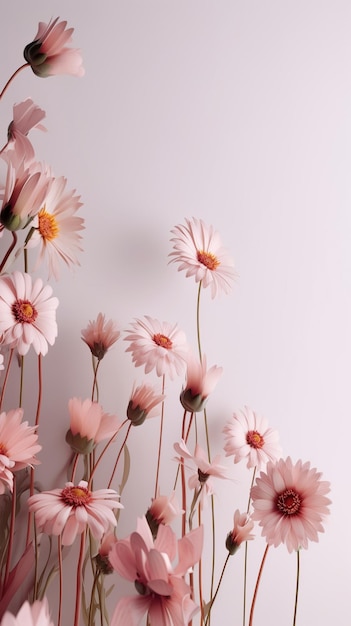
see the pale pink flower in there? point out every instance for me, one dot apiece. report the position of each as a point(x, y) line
point(158, 345)
point(163, 593)
point(6, 479)
point(144, 402)
point(163, 510)
point(56, 228)
point(248, 436)
point(26, 115)
point(100, 335)
point(36, 614)
point(290, 503)
point(18, 441)
point(48, 54)
point(243, 525)
point(200, 383)
point(198, 250)
point(70, 511)
point(89, 425)
point(27, 313)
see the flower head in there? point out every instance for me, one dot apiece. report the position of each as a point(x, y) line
point(198, 250)
point(241, 532)
point(163, 593)
point(89, 425)
point(26, 115)
point(48, 54)
point(158, 345)
point(199, 384)
point(100, 335)
point(143, 403)
point(27, 313)
point(290, 503)
point(249, 437)
point(69, 511)
point(36, 614)
point(163, 510)
point(18, 441)
point(102, 557)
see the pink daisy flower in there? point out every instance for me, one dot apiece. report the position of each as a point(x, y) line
point(290, 503)
point(27, 313)
point(163, 593)
point(144, 402)
point(158, 345)
point(199, 251)
point(36, 614)
point(100, 335)
point(48, 54)
point(18, 441)
point(199, 384)
point(26, 115)
point(70, 511)
point(57, 228)
point(241, 532)
point(89, 425)
point(249, 437)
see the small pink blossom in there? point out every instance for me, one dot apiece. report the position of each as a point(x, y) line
point(36, 614)
point(100, 335)
point(163, 510)
point(89, 425)
point(27, 313)
point(199, 251)
point(199, 384)
point(26, 115)
point(102, 557)
point(48, 54)
point(290, 503)
point(241, 532)
point(144, 402)
point(70, 511)
point(158, 345)
point(249, 437)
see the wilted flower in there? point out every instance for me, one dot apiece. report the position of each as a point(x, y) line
point(89, 425)
point(36, 614)
point(198, 250)
point(241, 532)
point(48, 54)
point(26, 115)
point(143, 403)
point(199, 384)
point(290, 503)
point(100, 335)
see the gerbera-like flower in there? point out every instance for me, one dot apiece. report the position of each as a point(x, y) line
point(241, 532)
point(70, 511)
point(290, 503)
point(199, 384)
point(100, 335)
point(48, 54)
point(163, 510)
point(198, 250)
point(158, 345)
point(36, 614)
point(143, 403)
point(26, 115)
point(18, 441)
point(56, 227)
point(89, 425)
point(249, 437)
point(163, 593)
point(27, 313)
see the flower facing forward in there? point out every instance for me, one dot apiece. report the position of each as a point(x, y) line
point(36, 614)
point(249, 437)
point(163, 593)
point(199, 251)
point(290, 503)
point(200, 383)
point(73, 509)
point(241, 532)
point(144, 402)
point(18, 441)
point(158, 345)
point(48, 54)
point(27, 313)
point(100, 335)
point(26, 115)
point(89, 425)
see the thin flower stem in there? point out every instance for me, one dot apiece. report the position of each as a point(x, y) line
point(218, 586)
point(104, 450)
point(95, 388)
point(11, 534)
point(37, 416)
point(297, 584)
point(59, 556)
point(74, 466)
point(257, 585)
point(12, 77)
point(6, 377)
point(11, 247)
point(4, 147)
point(79, 580)
point(160, 438)
point(198, 320)
point(118, 456)
point(246, 550)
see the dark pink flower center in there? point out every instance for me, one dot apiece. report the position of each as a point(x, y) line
point(289, 502)
point(163, 341)
point(254, 439)
point(207, 259)
point(24, 312)
point(76, 496)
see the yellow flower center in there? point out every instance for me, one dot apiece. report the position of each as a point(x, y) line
point(254, 439)
point(48, 226)
point(24, 312)
point(289, 502)
point(76, 496)
point(207, 259)
point(163, 341)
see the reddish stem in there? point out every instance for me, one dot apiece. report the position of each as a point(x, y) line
point(12, 246)
point(257, 585)
point(12, 77)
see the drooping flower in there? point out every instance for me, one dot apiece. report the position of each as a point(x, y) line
point(36, 614)
point(243, 525)
point(144, 402)
point(100, 335)
point(198, 250)
point(163, 510)
point(73, 509)
point(163, 593)
point(26, 115)
point(158, 345)
point(290, 503)
point(56, 227)
point(89, 425)
point(49, 55)
point(199, 384)
point(248, 436)
point(27, 313)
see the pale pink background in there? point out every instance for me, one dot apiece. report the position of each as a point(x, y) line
point(238, 113)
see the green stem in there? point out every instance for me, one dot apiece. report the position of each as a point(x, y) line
point(218, 586)
point(297, 585)
point(12, 246)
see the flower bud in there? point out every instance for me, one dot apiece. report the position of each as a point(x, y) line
point(79, 444)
